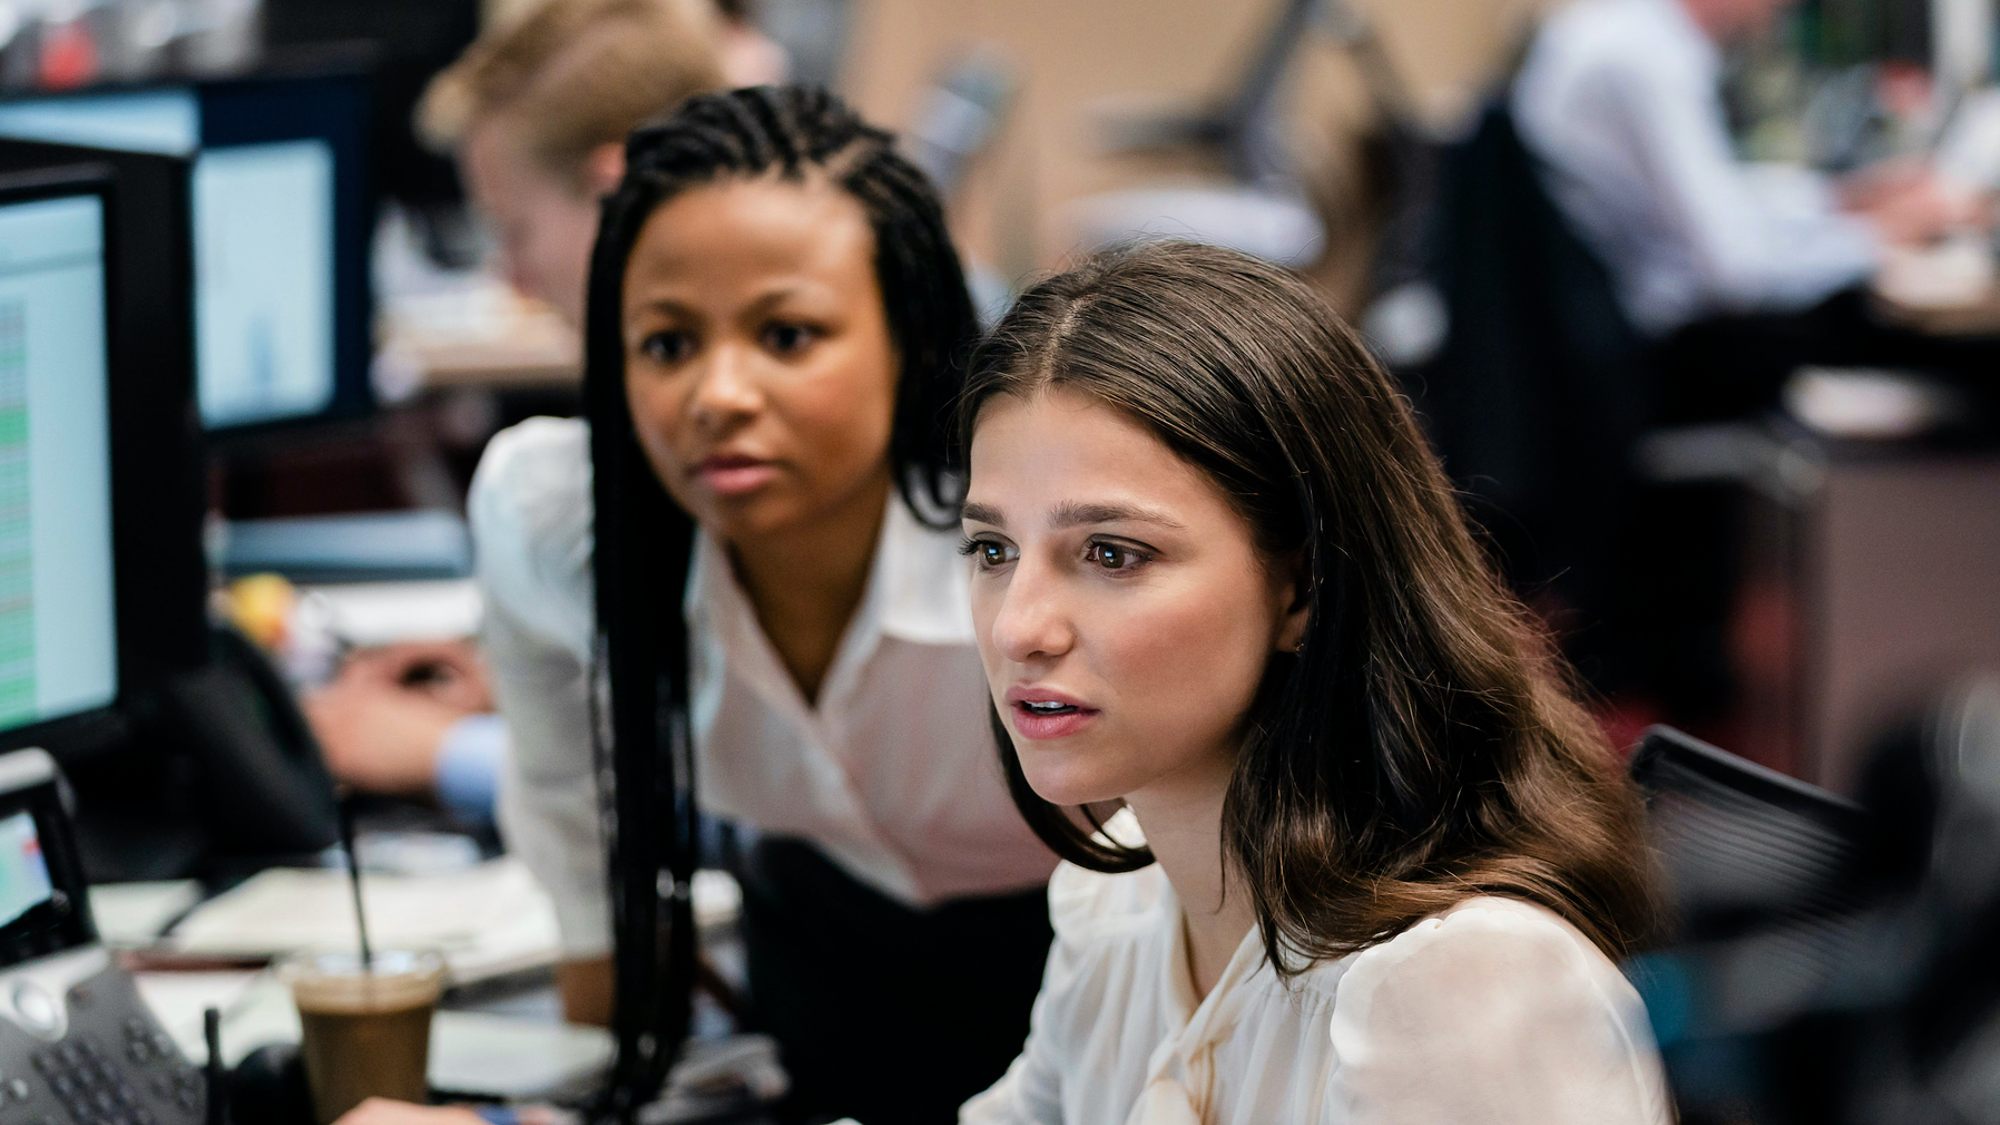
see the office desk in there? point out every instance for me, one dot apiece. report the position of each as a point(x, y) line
point(1949, 290)
point(1873, 587)
point(498, 1033)
point(477, 336)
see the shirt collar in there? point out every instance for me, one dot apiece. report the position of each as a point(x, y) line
point(918, 587)
point(921, 586)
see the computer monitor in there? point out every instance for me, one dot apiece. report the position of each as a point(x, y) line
point(58, 608)
point(157, 478)
point(281, 211)
point(97, 351)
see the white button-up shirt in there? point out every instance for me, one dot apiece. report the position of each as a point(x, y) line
point(1495, 1011)
point(893, 773)
point(1621, 101)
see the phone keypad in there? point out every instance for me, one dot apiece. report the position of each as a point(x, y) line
point(95, 1087)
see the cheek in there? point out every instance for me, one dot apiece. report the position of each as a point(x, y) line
point(654, 409)
point(985, 604)
point(1190, 663)
point(839, 420)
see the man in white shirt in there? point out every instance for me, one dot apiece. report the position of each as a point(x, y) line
point(1620, 102)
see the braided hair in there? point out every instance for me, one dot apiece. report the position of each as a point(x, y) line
point(644, 541)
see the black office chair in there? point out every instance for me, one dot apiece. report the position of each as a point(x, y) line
point(1743, 846)
point(1539, 387)
point(1765, 917)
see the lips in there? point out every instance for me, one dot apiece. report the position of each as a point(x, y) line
point(1041, 713)
point(734, 474)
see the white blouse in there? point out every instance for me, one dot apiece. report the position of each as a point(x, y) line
point(893, 772)
point(1496, 1011)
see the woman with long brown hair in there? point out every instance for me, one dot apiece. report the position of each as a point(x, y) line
point(1374, 861)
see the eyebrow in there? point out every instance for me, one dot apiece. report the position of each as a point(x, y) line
point(1073, 513)
point(980, 513)
point(763, 303)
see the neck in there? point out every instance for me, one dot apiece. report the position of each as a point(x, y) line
point(1183, 825)
point(806, 580)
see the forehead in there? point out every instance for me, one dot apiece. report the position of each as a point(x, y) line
point(744, 232)
point(1059, 447)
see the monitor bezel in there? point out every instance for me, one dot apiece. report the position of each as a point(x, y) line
point(30, 783)
point(89, 725)
point(353, 215)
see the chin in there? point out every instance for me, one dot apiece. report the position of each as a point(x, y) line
point(1064, 777)
point(749, 517)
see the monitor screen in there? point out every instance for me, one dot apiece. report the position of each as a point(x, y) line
point(24, 870)
point(58, 648)
point(44, 908)
point(267, 315)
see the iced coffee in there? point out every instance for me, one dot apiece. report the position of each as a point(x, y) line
point(367, 1029)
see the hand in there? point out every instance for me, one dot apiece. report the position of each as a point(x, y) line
point(381, 720)
point(451, 671)
point(382, 1111)
point(1909, 205)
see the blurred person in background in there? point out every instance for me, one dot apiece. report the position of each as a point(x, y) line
point(749, 57)
point(415, 721)
point(1739, 272)
point(536, 113)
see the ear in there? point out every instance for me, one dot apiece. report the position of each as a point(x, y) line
point(1294, 603)
point(603, 168)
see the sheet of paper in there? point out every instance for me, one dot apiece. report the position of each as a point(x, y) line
point(488, 920)
point(133, 914)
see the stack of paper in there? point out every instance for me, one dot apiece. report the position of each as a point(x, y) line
point(487, 921)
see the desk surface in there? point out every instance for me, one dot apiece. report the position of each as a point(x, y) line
point(476, 336)
point(1950, 290)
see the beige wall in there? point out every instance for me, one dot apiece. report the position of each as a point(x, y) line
point(1077, 59)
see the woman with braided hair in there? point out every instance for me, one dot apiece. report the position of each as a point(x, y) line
point(752, 540)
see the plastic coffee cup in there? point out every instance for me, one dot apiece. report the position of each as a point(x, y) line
point(366, 1029)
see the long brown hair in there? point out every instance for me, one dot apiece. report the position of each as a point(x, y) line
point(1424, 745)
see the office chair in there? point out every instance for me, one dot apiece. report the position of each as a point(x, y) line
point(1536, 386)
point(958, 116)
point(1261, 209)
point(1768, 914)
point(1743, 847)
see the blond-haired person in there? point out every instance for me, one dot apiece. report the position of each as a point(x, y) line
point(536, 113)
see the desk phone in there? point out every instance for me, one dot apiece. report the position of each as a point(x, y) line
point(77, 1044)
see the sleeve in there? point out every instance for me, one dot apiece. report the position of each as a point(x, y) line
point(529, 510)
point(1492, 1015)
point(1751, 251)
point(1030, 1093)
point(469, 761)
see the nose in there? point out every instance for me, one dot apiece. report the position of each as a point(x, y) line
point(725, 392)
point(1032, 624)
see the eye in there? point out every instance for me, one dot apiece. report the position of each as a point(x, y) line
point(987, 554)
point(789, 339)
point(1114, 556)
point(667, 348)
